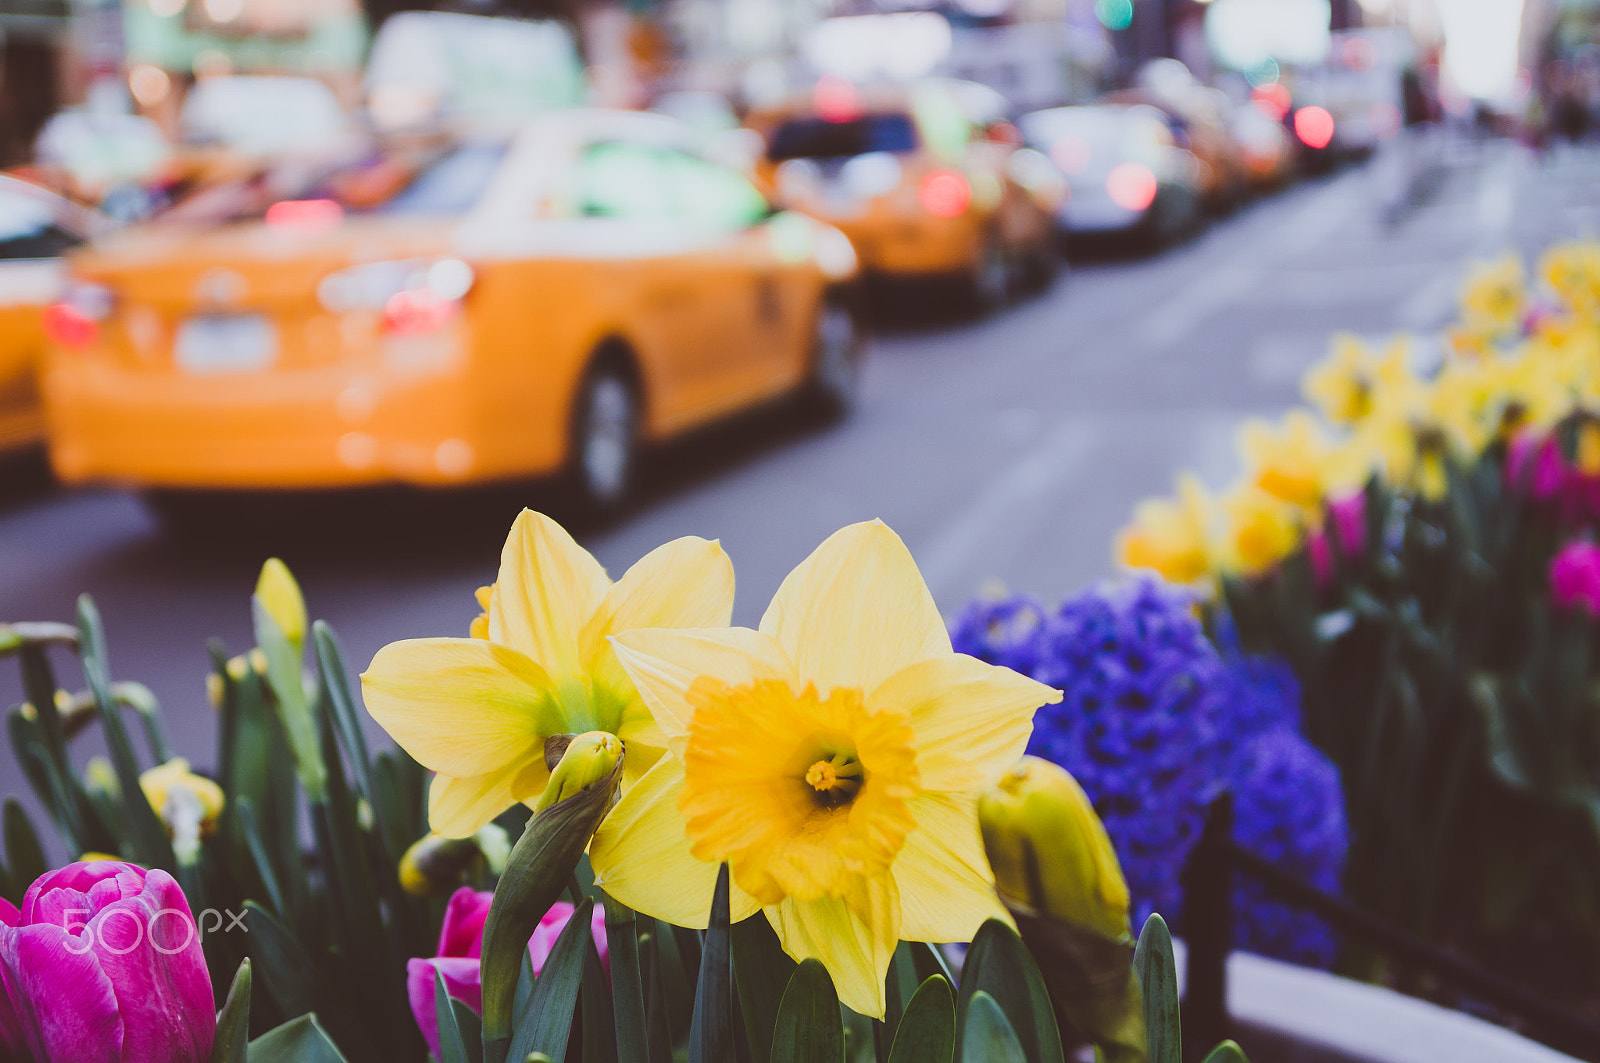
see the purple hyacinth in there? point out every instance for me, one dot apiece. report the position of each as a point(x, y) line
point(1154, 723)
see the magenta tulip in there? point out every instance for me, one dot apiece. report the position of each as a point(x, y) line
point(1575, 577)
point(461, 945)
point(103, 965)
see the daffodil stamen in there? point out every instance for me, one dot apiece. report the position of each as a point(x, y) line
point(835, 779)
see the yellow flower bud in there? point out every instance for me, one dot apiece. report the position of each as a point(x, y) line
point(187, 803)
point(100, 777)
point(91, 856)
point(1050, 852)
point(214, 689)
point(435, 865)
point(588, 759)
point(280, 596)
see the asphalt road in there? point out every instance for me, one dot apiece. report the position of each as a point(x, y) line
point(1008, 449)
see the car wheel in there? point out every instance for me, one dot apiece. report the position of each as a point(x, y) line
point(605, 438)
point(835, 359)
point(990, 277)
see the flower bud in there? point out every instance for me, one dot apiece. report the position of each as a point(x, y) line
point(187, 803)
point(280, 596)
point(1049, 850)
point(588, 759)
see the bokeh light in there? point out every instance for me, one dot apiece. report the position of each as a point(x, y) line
point(1314, 127)
point(1114, 14)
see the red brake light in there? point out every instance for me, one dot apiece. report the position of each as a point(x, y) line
point(68, 326)
point(1271, 100)
point(835, 99)
point(417, 310)
point(305, 214)
point(945, 193)
point(1131, 186)
point(1314, 127)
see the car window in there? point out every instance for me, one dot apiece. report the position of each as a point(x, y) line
point(28, 229)
point(451, 185)
point(624, 180)
point(817, 138)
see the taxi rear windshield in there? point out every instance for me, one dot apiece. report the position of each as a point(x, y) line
point(817, 138)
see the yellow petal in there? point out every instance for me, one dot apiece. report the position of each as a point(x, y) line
point(946, 887)
point(854, 938)
point(547, 589)
point(972, 720)
point(856, 611)
point(641, 855)
point(663, 663)
point(687, 583)
point(460, 706)
point(459, 808)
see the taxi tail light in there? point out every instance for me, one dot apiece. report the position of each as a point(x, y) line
point(1132, 186)
point(945, 193)
point(417, 310)
point(68, 326)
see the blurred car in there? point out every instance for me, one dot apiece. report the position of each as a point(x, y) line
point(510, 308)
point(1197, 117)
point(261, 115)
point(36, 226)
point(1125, 173)
point(908, 174)
point(1263, 146)
point(100, 158)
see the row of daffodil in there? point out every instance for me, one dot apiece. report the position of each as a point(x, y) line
point(1520, 361)
point(1420, 548)
point(839, 778)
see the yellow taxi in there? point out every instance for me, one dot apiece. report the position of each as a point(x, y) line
point(501, 308)
point(36, 226)
point(926, 179)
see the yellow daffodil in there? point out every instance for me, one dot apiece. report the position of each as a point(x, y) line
point(1260, 530)
point(1349, 383)
point(833, 758)
point(1494, 294)
point(1572, 271)
point(1297, 462)
point(188, 804)
point(279, 594)
point(477, 711)
point(1171, 536)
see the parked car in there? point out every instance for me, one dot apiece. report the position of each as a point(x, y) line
point(513, 308)
point(36, 227)
point(1263, 146)
point(1197, 116)
point(1126, 174)
point(921, 185)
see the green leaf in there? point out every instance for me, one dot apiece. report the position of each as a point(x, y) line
point(285, 678)
point(147, 838)
point(460, 1039)
point(809, 1028)
point(1158, 978)
point(1000, 965)
point(711, 1030)
point(761, 970)
point(658, 1027)
point(929, 961)
point(548, 1025)
point(335, 680)
point(301, 1040)
point(24, 855)
point(927, 1030)
point(1226, 1052)
point(899, 987)
point(986, 1036)
point(595, 1009)
point(293, 979)
point(627, 983)
point(233, 1021)
point(250, 831)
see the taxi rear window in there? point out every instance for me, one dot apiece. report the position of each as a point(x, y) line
point(816, 138)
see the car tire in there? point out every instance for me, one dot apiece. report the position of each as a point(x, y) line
point(989, 279)
point(836, 349)
point(604, 449)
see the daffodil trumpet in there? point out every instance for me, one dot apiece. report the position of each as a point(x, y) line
point(582, 788)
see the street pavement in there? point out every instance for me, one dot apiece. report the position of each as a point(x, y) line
point(1004, 451)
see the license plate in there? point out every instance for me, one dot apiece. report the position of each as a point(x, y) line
point(226, 343)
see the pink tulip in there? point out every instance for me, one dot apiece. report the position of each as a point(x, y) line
point(103, 965)
point(1575, 577)
point(461, 945)
point(1347, 518)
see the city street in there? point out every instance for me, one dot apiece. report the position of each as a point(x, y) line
point(1008, 449)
